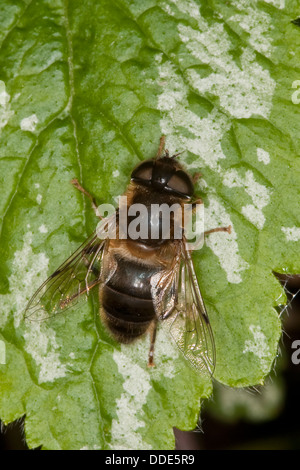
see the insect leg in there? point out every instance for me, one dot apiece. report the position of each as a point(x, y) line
point(171, 309)
point(161, 147)
point(151, 350)
point(196, 177)
point(219, 229)
point(194, 204)
point(64, 303)
point(84, 191)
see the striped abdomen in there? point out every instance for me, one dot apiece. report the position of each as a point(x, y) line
point(126, 299)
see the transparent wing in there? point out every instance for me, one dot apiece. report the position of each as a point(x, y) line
point(178, 302)
point(75, 277)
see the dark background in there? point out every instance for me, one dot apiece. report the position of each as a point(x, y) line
point(254, 418)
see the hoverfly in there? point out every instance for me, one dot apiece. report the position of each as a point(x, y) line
point(141, 282)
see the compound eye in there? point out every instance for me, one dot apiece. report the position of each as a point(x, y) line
point(143, 171)
point(181, 183)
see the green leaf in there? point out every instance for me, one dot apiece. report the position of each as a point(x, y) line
point(86, 91)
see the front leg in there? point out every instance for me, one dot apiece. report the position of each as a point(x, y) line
point(161, 147)
point(196, 177)
point(195, 203)
point(227, 229)
point(219, 229)
point(78, 186)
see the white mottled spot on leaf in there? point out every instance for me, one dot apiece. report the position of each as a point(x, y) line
point(189, 7)
point(132, 364)
point(243, 89)
point(5, 109)
point(129, 406)
point(254, 215)
point(16, 96)
point(263, 156)
point(204, 141)
point(39, 198)
point(43, 229)
point(292, 234)
point(29, 123)
point(116, 173)
point(29, 270)
point(224, 245)
point(259, 194)
point(42, 346)
point(257, 23)
point(276, 3)
point(259, 347)
point(167, 8)
point(2, 352)
point(205, 133)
